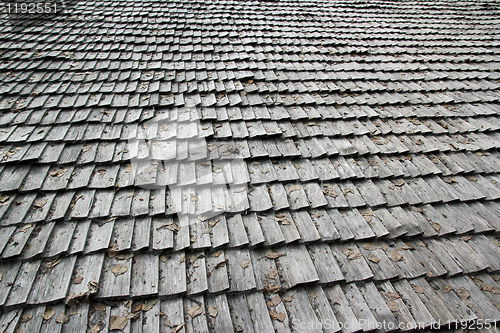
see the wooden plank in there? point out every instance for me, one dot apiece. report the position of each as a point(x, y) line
point(174, 314)
point(271, 230)
point(78, 318)
point(360, 307)
point(411, 227)
point(323, 309)
point(340, 224)
point(265, 271)
point(381, 266)
point(425, 257)
point(278, 196)
point(197, 273)
point(253, 229)
point(87, 269)
point(421, 221)
point(9, 320)
point(142, 232)
point(220, 233)
point(35, 323)
point(435, 304)
point(374, 223)
point(61, 204)
point(342, 309)
point(315, 195)
point(301, 312)
point(122, 202)
point(199, 233)
point(297, 197)
point(144, 275)
point(79, 237)
point(305, 226)
point(259, 198)
point(325, 263)
point(82, 203)
point(240, 270)
point(61, 238)
point(444, 292)
point(237, 232)
point(351, 194)
point(9, 273)
point(259, 313)
point(378, 307)
point(352, 263)
point(53, 284)
point(157, 202)
point(240, 314)
point(172, 268)
point(444, 257)
point(197, 323)
point(370, 193)
point(287, 225)
point(486, 247)
point(410, 266)
point(39, 239)
point(221, 321)
point(140, 202)
point(464, 255)
point(296, 266)
point(116, 285)
point(41, 208)
point(102, 203)
point(324, 225)
point(17, 242)
point(305, 169)
point(17, 212)
point(163, 233)
point(181, 238)
point(419, 311)
point(477, 301)
point(104, 176)
point(393, 300)
point(444, 224)
point(5, 235)
point(121, 239)
point(99, 236)
point(52, 325)
point(357, 224)
point(217, 272)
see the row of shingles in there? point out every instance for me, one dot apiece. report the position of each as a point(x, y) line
point(35, 139)
point(390, 306)
point(419, 173)
point(48, 240)
point(291, 22)
point(349, 308)
point(38, 82)
point(226, 56)
point(325, 168)
point(369, 95)
point(129, 91)
point(224, 46)
point(339, 23)
point(472, 118)
point(229, 57)
point(117, 133)
point(35, 149)
point(330, 263)
point(41, 119)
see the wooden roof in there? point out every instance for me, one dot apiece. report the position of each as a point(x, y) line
point(250, 166)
